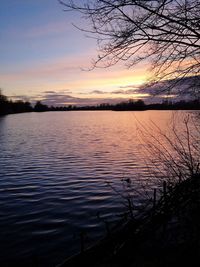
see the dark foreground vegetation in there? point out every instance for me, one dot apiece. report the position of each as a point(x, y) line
point(164, 229)
point(11, 107)
point(167, 234)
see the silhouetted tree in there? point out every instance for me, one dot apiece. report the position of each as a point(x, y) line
point(20, 106)
point(166, 32)
point(4, 104)
point(27, 106)
point(3, 98)
point(39, 107)
point(130, 105)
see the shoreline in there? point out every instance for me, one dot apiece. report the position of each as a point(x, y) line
point(167, 234)
point(114, 110)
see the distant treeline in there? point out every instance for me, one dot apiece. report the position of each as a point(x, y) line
point(165, 105)
point(10, 107)
point(139, 105)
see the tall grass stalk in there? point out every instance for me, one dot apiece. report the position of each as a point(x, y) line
point(172, 154)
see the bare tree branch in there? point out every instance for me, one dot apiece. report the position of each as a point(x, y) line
point(165, 32)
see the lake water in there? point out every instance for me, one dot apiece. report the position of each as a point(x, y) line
point(54, 169)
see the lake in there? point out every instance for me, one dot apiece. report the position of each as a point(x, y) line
point(55, 175)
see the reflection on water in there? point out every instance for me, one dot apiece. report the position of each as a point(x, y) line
point(53, 172)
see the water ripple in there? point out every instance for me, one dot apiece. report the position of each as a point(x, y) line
point(54, 169)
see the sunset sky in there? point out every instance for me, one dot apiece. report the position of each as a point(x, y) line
point(43, 56)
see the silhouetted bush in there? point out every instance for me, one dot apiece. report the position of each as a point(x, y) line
point(39, 107)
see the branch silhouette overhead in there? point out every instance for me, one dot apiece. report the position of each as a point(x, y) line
point(164, 32)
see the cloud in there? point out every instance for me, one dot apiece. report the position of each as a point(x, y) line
point(64, 99)
point(19, 97)
point(183, 86)
point(114, 92)
point(49, 92)
point(126, 92)
point(132, 86)
point(98, 92)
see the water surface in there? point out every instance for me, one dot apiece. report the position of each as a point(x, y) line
point(54, 169)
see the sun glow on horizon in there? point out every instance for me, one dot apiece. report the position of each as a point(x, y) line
point(49, 55)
